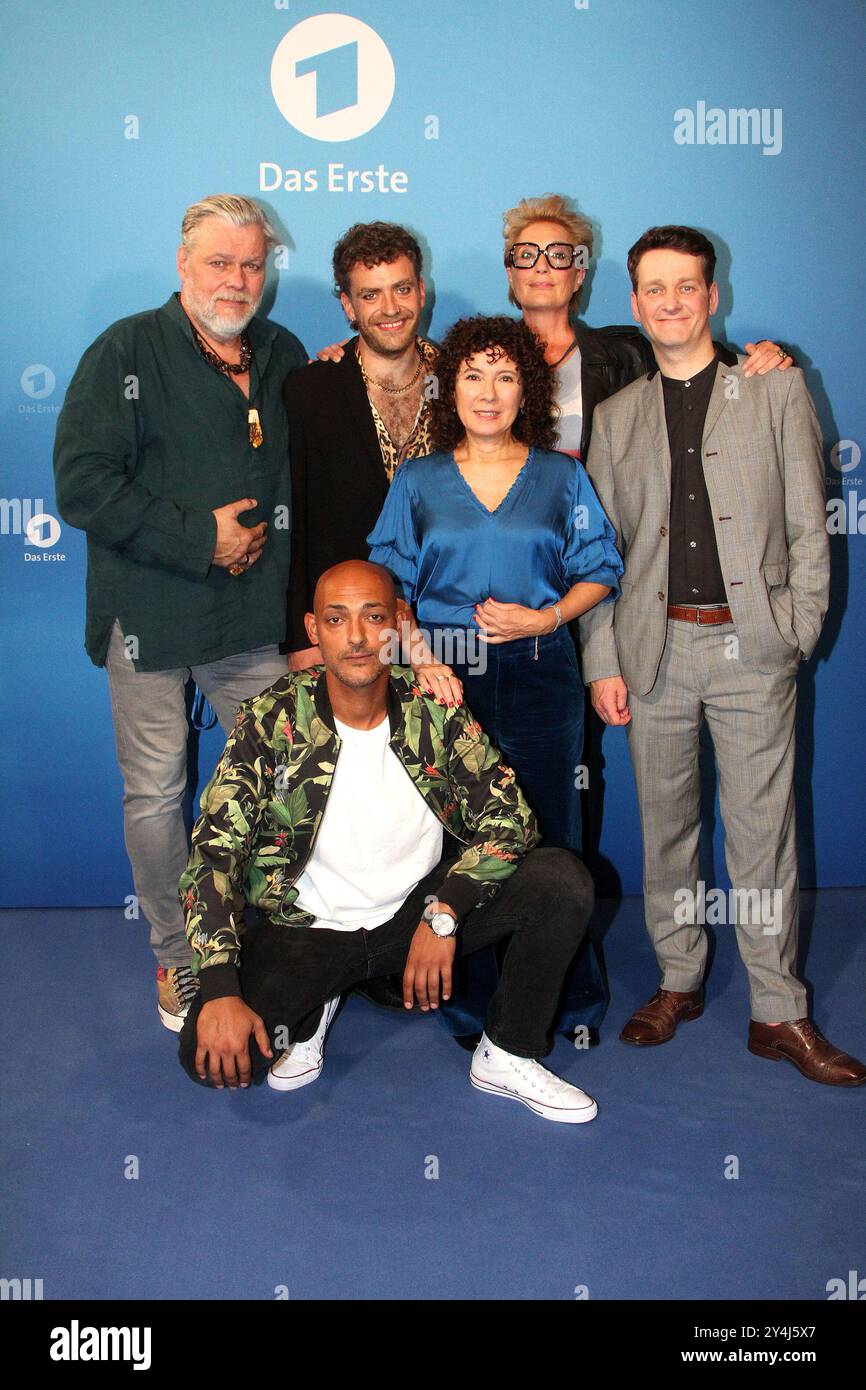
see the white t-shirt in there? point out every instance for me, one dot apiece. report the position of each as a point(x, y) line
point(568, 393)
point(377, 840)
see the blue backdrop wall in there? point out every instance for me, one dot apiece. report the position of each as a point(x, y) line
point(118, 115)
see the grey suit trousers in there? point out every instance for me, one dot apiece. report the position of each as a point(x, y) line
point(750, 717)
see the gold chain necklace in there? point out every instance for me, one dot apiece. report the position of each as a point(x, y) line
point(391, 390)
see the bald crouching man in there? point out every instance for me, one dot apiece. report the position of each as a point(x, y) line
point(359, 870)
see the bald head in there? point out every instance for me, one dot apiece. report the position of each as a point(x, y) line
point(351, 579)
point(354, 622)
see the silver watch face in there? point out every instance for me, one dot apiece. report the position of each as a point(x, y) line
point(443, 924)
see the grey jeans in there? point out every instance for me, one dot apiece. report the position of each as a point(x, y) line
point(150, 730)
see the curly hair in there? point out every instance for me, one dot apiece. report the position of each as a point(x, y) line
point(497, 337)
point(371, 244)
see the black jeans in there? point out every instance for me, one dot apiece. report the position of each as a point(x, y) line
point(287, 973)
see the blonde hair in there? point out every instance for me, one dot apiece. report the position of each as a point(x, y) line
point(231, 207)
point(550, 207)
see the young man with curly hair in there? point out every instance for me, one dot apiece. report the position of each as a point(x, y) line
point(352, 422)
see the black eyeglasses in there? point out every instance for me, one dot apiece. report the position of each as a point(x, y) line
point(560, 255)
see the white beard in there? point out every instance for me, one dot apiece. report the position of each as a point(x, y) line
point(220, 325)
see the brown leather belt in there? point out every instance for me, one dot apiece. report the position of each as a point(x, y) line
point(704, 617)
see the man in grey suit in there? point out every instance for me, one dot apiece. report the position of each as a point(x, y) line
point(714, 483)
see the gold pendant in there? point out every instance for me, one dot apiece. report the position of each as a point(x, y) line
point(256, 435)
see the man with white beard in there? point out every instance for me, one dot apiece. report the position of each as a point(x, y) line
point(171, 454)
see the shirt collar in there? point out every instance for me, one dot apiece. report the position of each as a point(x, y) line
point(400, 689)
point(701, 380)
point(723, 354)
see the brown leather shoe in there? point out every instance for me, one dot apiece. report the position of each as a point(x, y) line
point(803, 1044)
point(657, 1021)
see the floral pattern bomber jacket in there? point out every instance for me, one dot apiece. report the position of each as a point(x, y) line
point(261, 810)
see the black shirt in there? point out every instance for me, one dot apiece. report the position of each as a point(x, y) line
point(694, 572)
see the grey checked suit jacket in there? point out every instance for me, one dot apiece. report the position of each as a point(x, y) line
point(763, 464)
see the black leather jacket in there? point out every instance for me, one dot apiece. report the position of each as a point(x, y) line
point(610, 358)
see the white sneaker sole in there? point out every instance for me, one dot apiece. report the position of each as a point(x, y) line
point(305, 1078)
point(294, 1083)
point(174, 1022)
point(538, 1107)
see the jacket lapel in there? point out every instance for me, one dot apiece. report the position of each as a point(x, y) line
point(654, 411)
point(725, 388)
point(361, 427)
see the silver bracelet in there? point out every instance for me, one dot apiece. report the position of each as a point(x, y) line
point(558, 611)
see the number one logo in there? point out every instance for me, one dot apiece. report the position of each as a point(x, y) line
point(332, 77)
point(336, 77)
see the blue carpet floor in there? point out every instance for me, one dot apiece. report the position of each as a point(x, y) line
point(324, 1194)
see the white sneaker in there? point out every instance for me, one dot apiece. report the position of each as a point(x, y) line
point(304, 1060)
point(520, 1078)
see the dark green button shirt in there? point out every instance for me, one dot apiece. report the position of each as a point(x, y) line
point(150, 440)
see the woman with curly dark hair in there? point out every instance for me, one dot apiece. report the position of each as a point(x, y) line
point(499, 543)
point(535, 422)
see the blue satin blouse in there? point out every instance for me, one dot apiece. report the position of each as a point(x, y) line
point(449, 552)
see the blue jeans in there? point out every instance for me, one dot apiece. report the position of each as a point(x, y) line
point(530, 701)
point(150, 730)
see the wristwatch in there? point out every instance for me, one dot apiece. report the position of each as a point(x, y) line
point(443, 923)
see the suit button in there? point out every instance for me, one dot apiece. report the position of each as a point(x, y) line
point(663, 530)
point(661, 596)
